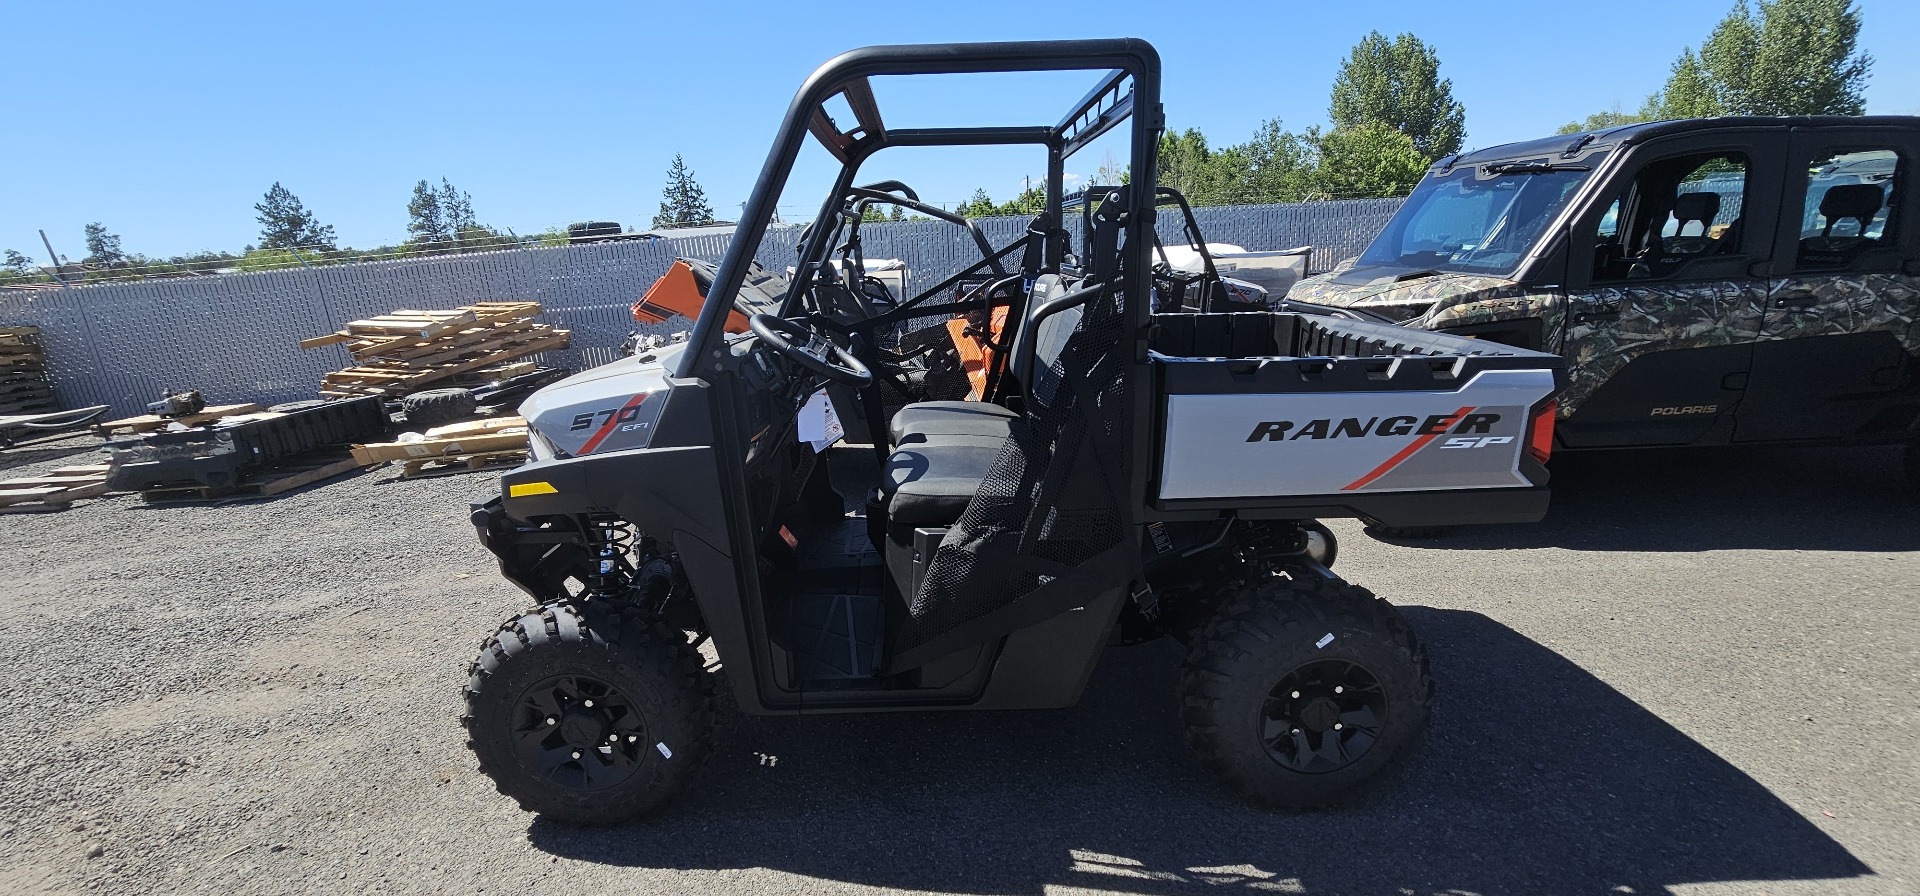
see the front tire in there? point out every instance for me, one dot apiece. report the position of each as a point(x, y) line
point(589, 718)
point(1300, 690)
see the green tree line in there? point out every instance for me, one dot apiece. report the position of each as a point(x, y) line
point(1391, 115)
point(1782, 57)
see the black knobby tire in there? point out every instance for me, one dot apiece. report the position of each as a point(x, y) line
point(664, 699)
point(436, 406)
point(1249, 732)
point(288, 407)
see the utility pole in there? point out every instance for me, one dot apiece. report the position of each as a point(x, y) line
point(54, 257)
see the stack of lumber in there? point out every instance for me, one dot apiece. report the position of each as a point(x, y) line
point(407, 351)
point(55, 491)
point(154, 422)
point(23, 376)
point(454, 448)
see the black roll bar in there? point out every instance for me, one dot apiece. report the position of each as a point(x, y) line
point(1123, 57)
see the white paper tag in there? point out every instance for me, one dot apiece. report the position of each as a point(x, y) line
point(1323, 642)
point(819, 425)
point(662, 747)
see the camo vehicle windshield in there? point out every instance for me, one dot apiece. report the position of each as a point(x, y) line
point(1479, 219)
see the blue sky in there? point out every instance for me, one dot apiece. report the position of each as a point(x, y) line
point(168, 121)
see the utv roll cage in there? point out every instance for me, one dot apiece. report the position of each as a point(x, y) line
point(1128, 90)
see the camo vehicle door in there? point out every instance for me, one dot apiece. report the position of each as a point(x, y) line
point(1663, 302)
point(1837, 347)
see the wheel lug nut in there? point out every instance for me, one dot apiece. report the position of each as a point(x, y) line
point(1336, 726)
point(1296, 695)
point(576, 754)
point(552, 721)
point(631, 738)
point(589, 704)
point(1339, 689)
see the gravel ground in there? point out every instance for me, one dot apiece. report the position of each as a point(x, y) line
point(1698, 676)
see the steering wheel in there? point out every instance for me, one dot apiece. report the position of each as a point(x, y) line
point(811, 350)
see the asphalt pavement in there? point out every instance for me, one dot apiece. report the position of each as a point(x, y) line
point(1699, 675)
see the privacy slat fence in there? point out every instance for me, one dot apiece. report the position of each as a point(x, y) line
point(233, 336)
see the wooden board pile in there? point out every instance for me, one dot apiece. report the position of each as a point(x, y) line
point(454, 448)
point(407, 351)
point(154, 422)
point(54, 491)
point(23, 373)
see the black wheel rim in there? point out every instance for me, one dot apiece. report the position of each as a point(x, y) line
point(578, 732)
point(1323, 717)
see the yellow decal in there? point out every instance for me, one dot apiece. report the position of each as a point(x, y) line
point(526, 489)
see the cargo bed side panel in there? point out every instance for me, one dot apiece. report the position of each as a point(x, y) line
point(1289, 444)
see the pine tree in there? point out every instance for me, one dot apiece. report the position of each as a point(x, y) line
point(103, 248)
point(286, 224)
point(426, 221)
point(456, 209)
point(682, 203)
point(1788, 57)
point(1398, 83)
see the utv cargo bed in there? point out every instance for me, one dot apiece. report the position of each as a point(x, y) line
point(1282, 414)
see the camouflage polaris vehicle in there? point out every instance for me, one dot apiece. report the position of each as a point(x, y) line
point(1710, 282)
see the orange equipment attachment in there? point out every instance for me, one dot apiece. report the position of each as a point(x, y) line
point(976, 348)
point(678, 292)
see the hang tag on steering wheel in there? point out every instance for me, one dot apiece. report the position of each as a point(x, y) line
point(819, 425)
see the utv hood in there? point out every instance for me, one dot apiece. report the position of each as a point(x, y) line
point(1398, 294)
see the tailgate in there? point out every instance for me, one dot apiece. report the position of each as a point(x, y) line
point(1404, 427)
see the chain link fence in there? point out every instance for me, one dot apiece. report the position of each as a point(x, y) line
point(234, 336)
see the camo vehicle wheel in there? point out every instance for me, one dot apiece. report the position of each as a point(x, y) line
point(589, 719)
point(1301, 690)
point(437, 406)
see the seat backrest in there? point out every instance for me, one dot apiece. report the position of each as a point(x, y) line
point(1700, 207)
point(1859, 202)
point(1045, 287)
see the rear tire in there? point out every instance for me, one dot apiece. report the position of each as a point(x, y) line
point(589, 718)
point(1299, 691)
point(434, 407)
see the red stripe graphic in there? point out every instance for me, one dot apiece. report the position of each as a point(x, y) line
point(606, 429)
point(1404, 453)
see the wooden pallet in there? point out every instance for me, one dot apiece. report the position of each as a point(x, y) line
point(454, 448)
point(23, 382)
point(55, 491)
point(405, 329)
point(154, 423)
point(404, 352)
point(428, 468)
point(296, 473)
point(499, 434)
point(404, 379)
